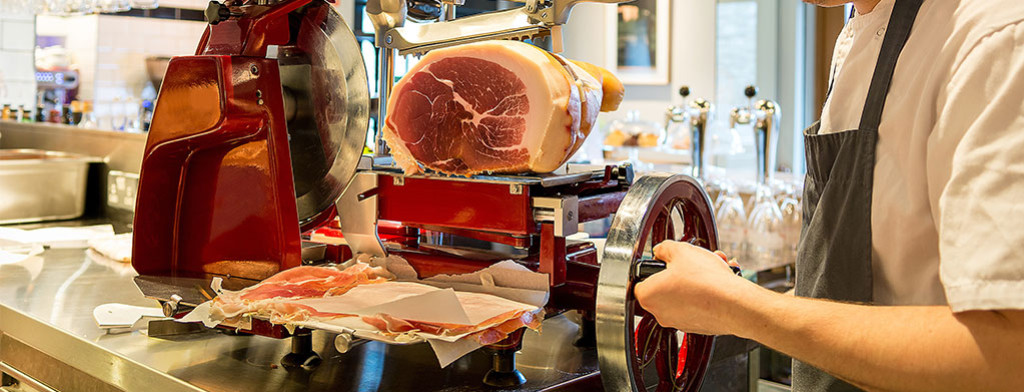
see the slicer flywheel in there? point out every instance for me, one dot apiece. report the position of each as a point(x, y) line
point(635, 353)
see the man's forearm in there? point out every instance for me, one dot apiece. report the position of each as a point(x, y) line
point(890, 348)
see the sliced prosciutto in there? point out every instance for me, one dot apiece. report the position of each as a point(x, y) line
point(270, 297)
point(317, 296)
point(495, 106)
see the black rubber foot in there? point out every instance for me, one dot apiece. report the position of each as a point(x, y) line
point(588, 334)
point(504, 379)
point(305, 361)
point(302, 355)
point(503, 373)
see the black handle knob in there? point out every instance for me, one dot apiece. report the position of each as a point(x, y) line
point(684, 91)
point(647, 267)
point(750, 91)
point(217, 12)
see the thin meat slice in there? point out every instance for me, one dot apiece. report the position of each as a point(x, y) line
point(270, 297)
point(494, 106)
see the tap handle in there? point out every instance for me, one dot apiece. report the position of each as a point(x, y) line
point(768, 119)
point(684, 92)
point(750, 91)
point(701, 112)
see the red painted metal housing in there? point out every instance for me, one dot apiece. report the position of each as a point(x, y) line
point(216, 194)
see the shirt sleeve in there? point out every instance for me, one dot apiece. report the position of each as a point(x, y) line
point(976, 175)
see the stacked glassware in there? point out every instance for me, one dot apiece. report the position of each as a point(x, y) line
point(73, 7)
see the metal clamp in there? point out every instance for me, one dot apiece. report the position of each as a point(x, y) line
point(562, 211)
point(343, 342)
point(170, 308)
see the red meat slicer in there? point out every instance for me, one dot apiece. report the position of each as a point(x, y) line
point(258, 138)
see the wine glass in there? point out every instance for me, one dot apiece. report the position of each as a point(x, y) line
point(118, 117)
point(107, 5)
point(122, 5)
point(792, 221)
point(145, 4)
point(731, 219)
point(765, 243)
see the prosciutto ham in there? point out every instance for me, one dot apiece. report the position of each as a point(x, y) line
point(308, 295)
point(495, 106)
point(270, 298)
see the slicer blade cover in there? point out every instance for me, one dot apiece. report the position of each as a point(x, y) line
point(323, 73)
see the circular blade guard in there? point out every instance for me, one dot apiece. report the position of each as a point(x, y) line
point(635, 353)
point(328, 105)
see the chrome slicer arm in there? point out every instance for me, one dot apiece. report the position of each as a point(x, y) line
point(536, 18)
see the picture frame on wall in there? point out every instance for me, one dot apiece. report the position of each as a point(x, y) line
point(637, 44)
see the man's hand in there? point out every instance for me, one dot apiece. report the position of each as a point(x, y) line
point(697, 292)
point(907, 348)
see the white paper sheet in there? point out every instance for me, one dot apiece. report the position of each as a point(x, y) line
point(117, 248)
point(506, 279)
point(54, 237)
point(403, 300)
point(116, 315)
point(26, 258)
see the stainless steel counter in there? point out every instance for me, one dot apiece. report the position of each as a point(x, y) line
point(47, 334)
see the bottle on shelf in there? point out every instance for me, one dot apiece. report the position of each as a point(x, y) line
point(76, 113)
point(56, 115)
point(65, 115)
point(88, 116)
point(6, 113)
point(26, 115)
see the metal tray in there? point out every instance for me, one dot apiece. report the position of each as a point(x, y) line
point(38, 185)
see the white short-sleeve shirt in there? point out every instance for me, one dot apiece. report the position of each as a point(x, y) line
point(947, 212)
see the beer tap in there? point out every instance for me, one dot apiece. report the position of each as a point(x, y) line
point(743, 115)
point(768, 117)
point(699, 112)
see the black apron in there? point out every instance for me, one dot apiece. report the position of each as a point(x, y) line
point(834, 257)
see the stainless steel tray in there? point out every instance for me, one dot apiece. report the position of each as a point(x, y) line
point(37, 185)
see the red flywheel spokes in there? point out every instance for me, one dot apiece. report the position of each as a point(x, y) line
point(635, 353)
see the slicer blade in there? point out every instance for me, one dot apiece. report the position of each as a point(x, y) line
point(323, 74)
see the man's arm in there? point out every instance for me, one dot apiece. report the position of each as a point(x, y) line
point(876, 348)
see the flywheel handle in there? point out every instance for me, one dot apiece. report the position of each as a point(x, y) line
point(647, 267)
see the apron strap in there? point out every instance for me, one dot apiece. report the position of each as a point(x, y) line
point(897, 33)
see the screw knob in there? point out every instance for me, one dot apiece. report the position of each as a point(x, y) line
point(217, 12)
point(684, 91)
